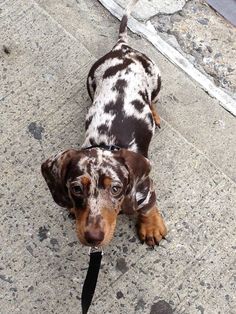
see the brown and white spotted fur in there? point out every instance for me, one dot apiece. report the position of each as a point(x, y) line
point(96, 183)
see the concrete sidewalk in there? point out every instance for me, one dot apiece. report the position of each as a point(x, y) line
point(47, 48)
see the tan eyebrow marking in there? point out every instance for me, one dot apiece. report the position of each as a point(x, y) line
point(85, 181)
point(107, 182)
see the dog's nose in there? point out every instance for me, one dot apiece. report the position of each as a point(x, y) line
point(94, 237)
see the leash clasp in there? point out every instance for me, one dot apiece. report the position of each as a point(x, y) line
point(95, 249)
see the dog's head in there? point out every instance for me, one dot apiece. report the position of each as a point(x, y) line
point(94, 182)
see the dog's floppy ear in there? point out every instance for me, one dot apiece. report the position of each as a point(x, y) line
point(54, 171)
point(138, 166)
point(140, 193)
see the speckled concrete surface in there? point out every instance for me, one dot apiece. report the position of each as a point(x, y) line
point(205, 38)
point(43, 98)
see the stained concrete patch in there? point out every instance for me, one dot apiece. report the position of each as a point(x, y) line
point(200, 308)
point(140, 305)
point(6, 50)
point(36, 130)
point(6, 279)
point(161, 307)
point(119, 295)
point(43, 233)
point(121, 265)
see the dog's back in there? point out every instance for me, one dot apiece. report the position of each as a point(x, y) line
point(123, 85)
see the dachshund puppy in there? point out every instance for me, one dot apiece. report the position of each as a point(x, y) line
point(110, 173)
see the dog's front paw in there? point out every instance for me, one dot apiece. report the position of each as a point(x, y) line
point(71, 212)
point(151, 227)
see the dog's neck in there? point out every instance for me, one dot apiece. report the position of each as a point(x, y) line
point(105, 147)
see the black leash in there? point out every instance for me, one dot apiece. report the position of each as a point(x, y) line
point(91, 278)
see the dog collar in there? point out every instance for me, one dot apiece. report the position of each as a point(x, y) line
point(105, 147)
point(90, 282)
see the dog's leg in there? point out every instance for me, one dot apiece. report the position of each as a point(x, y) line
point(155, 115)
point(71, 211)
point(151, 227)
point(91, 85)
point(154, 98)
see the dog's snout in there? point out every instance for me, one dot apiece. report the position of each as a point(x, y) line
point(94, 237)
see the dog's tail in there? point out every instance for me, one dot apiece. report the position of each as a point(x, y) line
point(124, 21)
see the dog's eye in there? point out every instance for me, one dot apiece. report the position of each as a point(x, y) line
point(77, 189)
point(115, 189)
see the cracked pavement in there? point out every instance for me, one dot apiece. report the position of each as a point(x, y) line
point(204, 38)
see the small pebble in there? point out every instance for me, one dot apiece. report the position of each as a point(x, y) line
point(203, 21)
